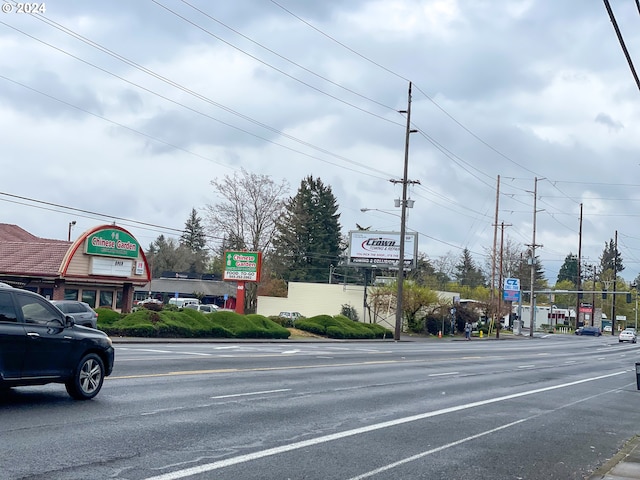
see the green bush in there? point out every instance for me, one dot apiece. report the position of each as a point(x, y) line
point(106, 316)
point(341, 327)
point(187, 323)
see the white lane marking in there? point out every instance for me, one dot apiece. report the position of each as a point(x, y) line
point(196, 353)
point(526, 366)
point(289, 352)
point(436, 450)
point(251, 393)
point(468, 439)
point(568, 362)
point(441, 374)
point(208, 467)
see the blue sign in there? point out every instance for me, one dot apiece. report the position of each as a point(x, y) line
point(511, 295)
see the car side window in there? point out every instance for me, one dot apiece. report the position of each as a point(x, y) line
point(37, 311)
point(7, 311)
point(76, 308)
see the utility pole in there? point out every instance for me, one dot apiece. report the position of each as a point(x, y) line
point(533, 258)
point(615, 280)
point(579, 279)
point(502, 225)
point(403, 217)
point(493, 259)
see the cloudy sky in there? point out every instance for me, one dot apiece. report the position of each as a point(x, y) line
point(125, 111)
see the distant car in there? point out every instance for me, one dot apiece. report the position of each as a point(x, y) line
point(39, 345)
point(293, 316)
point(607, 328)
point(595, 331)
point(81, 312)
point(203, 308)
point(627, 335)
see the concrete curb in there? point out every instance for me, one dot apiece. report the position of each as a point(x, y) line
point(625, 465)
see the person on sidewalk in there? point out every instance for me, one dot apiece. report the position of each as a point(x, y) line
point(467, 331)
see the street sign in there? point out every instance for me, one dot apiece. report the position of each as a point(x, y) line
point(242, 266)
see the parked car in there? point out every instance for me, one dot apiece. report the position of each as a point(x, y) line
point(292, 316)
point(595, 331)
point(607, 329)
point(183, 302)
point(628, 335)
point(39, 344)
point(203, 308)
point(81, 312)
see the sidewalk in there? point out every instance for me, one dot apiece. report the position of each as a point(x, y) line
point(625, 465)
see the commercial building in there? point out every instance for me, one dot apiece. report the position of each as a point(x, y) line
point(101, 267)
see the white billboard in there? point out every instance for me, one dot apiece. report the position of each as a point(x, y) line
point(381, 249)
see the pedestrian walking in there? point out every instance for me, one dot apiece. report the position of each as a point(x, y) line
point(467, 331)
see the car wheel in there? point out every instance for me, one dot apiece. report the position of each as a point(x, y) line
point(87, 379)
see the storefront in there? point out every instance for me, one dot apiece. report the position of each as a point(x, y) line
point(102, 267)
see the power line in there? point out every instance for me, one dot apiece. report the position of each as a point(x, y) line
point(621, 40)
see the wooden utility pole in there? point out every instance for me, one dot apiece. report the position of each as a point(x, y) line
point(533, 259)
point(615, 281)
point(500, 279)
point(579, 279)
point(493, 259)
point(403, 218)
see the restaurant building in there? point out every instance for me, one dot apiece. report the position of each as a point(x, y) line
point(102, 267)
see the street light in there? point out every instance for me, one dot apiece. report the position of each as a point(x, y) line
point(71, 224)
point(378, 210)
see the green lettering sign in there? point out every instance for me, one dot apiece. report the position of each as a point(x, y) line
point(112, 243)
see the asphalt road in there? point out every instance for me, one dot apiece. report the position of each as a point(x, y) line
point(545, 408)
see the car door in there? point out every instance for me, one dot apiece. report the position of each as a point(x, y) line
point(12, 338)
point(80, 313)
point(48, 343)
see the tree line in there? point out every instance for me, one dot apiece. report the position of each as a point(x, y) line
point(302, 240)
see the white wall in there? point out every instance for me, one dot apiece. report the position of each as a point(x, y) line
point(311, 299)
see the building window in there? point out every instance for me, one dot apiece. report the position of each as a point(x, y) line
point(106, 299)
point(47, 292)
point(119, 299)
point(89, 296)
point(70, 294)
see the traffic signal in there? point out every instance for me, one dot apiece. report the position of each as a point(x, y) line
point(628, 297)
point(604, 294)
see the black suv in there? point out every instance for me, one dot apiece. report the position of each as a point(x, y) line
point(40, 345)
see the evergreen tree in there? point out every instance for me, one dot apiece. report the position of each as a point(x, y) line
point(307, 237)
point(167, 255)
point(467, 273)
point(610, 257)
point(569, 270)
point(194, 238)
point(194, 235)
point(524, 274)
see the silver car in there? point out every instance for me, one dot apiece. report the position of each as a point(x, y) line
point(81, 312)
point(627, 335)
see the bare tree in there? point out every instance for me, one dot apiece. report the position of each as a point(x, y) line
point(246, 215)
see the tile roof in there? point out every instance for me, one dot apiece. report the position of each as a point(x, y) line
point(22, 253)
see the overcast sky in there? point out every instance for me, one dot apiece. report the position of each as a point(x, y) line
point(129, 109)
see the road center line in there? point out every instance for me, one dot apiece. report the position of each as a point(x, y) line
point(200, 469)
point(442, 374)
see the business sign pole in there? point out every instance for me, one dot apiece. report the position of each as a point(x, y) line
point(242, 267)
